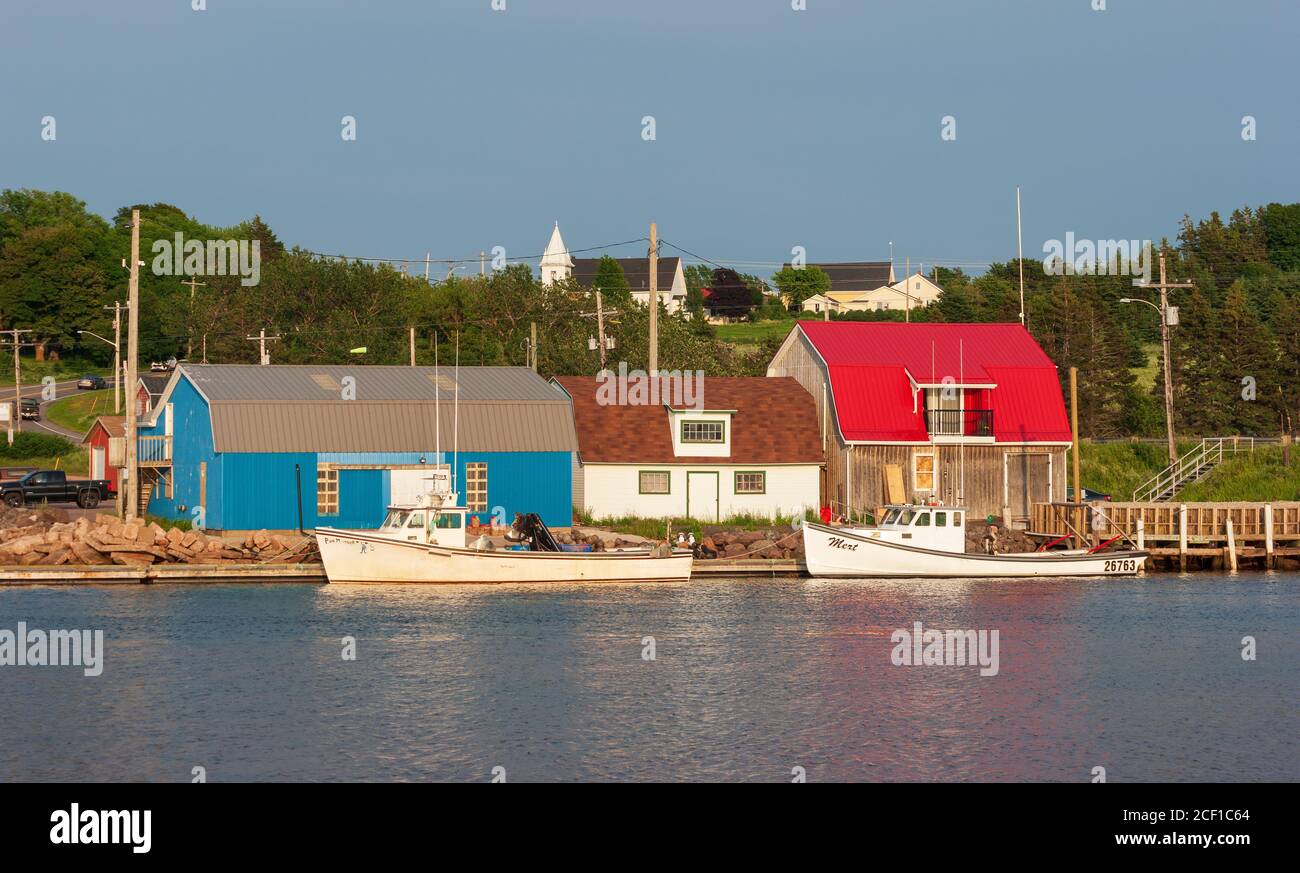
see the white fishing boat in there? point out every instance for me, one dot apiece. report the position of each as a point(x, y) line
point(429, 542)
point(930, 541)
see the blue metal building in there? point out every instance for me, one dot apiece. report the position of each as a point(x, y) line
point(245, 447)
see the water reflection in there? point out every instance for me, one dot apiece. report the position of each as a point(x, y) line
point(750, 679)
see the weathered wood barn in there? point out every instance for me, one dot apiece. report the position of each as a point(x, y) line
point(969, 414)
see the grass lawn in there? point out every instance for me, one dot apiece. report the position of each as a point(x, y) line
point(1146, 376)
point(1118, 468)
point(78, 411)
point(655, 528)
point(75, 463)
point(753, 333)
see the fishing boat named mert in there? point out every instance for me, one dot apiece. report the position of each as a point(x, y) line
point(929, 541)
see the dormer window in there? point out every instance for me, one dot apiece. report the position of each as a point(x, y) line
point(704, 432)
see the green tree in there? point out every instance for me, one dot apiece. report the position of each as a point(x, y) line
point(798, 284)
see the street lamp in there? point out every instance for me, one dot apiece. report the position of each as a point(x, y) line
point(117, 381)
point(1168, 316)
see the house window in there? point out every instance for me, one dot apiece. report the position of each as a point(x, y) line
point(327, 491)
point(923, 471)
point(654, 481)
point(751, 482)
point(703, 432)
point(476, 486)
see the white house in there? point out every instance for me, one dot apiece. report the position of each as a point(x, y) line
point(914, 292)
point(556, 265)
point(751, 446)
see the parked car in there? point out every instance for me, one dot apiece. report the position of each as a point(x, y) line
point(31, 409)
point(53, 486)
point(91, 381)
point(1088, 494)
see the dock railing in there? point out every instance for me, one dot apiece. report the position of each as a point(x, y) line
point(1206, 523)
point(1202, 458)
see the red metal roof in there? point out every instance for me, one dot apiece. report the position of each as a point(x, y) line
point(869, 364)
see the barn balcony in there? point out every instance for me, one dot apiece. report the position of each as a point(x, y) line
point(154, 451)
point(956, 425)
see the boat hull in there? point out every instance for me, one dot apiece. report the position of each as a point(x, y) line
point(831, 552)
point(359, 556)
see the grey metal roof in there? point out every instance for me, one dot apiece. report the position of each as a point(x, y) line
point(399, 384)
point(635, 270)
point(297, 408)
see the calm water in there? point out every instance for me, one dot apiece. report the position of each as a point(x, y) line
point(751, 679)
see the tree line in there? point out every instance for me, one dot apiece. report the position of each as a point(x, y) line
point(1235, 360)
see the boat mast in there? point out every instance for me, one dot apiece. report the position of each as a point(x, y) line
point(437, 405)
point(455, 450)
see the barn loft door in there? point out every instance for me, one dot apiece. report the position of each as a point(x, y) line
point(1028, 481)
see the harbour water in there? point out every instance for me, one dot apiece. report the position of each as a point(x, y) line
point(750, 680)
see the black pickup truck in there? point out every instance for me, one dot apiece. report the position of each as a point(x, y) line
point(53, 486)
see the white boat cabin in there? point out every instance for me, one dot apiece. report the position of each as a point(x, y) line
point(434, 523)
point(941, 528)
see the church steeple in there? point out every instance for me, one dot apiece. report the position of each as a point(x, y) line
point(556, 264)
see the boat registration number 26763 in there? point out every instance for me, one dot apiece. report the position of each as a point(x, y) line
point(1121, 566)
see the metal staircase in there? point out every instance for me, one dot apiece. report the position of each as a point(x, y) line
point(1192, 466)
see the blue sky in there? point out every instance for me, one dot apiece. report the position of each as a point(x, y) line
point(774, 127)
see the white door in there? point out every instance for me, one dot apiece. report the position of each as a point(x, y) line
point(702, 496)
point(407, 487)
point(97, 462)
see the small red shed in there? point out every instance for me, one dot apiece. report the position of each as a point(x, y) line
point(106, 427)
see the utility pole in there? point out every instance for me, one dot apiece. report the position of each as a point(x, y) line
point(412, 335)
point(482, 263)
point(131, 499)
point(189, 344)
point(532, 344)
point(907, 295)
point(16, 420)
point(600, 329)
point(263, 357)
point(1165, 287)
point(426, 265)
point(117, 357)
point(1074, 438)
point(654, 299)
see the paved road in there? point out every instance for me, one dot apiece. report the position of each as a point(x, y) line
point(63, 389)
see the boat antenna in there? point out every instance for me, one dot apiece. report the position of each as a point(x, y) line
point(961, 447)
point(437, 404)
point(455, 445)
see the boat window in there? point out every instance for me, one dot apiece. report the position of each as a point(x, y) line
point(941, 519)
point(448, 521)
point(905, 516)
point(417, 520)
point(922, 519)
point(399, 518)
point(891, 516)
point(956, 519)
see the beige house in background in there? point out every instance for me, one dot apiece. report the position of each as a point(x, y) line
point(913, 292)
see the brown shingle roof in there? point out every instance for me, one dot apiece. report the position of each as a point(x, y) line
point(114, 426)
point(775, 422)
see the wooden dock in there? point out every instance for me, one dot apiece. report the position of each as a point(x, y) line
point(1222, 535)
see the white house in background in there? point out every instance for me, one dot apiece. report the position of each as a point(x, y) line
point(914, 291)
point(754, 447)
point(556, 264)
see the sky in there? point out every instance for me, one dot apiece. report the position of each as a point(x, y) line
point(774, 127)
